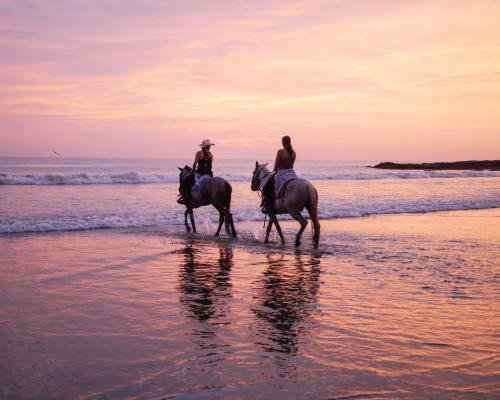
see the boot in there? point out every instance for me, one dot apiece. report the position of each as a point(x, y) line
point(180, 199)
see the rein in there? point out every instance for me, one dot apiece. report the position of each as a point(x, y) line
point(261, 178)
point(259, 190)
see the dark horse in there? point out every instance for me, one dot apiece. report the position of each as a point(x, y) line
point(217, 192)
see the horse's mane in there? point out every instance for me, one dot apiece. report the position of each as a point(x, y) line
point(263, 167)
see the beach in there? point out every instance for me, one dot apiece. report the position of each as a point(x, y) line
point(398, 306)
point(375, 124)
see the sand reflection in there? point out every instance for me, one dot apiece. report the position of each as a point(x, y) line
point(286, 296)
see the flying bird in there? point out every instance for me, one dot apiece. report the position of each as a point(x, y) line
point(56, 153)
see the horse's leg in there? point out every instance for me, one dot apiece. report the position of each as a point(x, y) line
point(227, 227)
point(191, 216)
point(303, 223)
point(229, 216)
point(272, 217)
point(278, 228)
point(221, 221)
point(188, 228)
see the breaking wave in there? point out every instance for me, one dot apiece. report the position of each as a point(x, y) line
point(140, 220)
point(152, 178)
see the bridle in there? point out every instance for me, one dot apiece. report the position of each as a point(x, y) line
point(185, 174)
point(257, 176)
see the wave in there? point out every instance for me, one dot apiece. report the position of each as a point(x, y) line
point(92, 222)
point(85, 179)
point(151, 178)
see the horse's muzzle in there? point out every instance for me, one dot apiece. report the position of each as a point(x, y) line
point(254, 188)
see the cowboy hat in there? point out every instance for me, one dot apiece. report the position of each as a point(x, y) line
point(206, 143)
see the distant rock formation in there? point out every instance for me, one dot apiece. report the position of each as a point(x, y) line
point(493, 165)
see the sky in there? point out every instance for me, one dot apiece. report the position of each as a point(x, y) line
point(347, 80)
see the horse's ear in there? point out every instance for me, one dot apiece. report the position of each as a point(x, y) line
point(265, 165)
point(256, 164)
point(179, 168)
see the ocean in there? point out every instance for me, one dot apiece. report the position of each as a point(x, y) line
point(66, 194)
point(103, 295)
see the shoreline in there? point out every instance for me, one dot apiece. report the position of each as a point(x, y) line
point(254, 228)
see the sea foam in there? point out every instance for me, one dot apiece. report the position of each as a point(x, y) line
point(175, 217)
point(134, 177)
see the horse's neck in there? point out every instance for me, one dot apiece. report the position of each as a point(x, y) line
point(264, 172)
point(187, 178)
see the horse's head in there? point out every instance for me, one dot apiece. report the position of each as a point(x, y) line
point(259, 172)
point(187, 173)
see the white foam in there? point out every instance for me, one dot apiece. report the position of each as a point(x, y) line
point(134, 177)
point(85, 179)
point(205, 221)
point(86, 222)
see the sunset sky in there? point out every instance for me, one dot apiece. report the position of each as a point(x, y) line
point(348, 80)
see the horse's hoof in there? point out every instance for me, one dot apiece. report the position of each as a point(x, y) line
point(188, 229)
point(216, 235)
point(297, 243)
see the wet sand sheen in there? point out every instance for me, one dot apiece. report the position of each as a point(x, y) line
point(391, 307)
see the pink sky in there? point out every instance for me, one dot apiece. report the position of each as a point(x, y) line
point(348, 80)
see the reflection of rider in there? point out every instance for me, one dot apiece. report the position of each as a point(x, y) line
point(205, 284)
point(205, 290)
point(288, 291)
point(202, 165)
point(285, 159)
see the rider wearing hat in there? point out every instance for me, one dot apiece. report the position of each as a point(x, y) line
point(202, 165)
point(203, 159)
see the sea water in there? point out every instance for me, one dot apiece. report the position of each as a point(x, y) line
point(104, 296)
point(64, 194)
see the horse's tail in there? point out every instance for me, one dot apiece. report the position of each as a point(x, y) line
point(229, 190)
point(313, 212)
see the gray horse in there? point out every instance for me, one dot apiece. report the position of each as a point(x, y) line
point(217, 192)
point(299, 193)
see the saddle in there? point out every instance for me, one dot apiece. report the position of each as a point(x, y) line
point(282, 191)
point(199, 182)
point(282, 178)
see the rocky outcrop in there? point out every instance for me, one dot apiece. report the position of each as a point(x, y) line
point(493, 165)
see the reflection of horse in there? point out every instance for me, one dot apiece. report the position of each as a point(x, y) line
point(286, 293)
point(217, 192)
point(205, 283)
point(299, 193)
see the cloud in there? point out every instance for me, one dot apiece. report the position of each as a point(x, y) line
point(250, 67)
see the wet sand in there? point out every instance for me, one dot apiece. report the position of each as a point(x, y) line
point(402, 306)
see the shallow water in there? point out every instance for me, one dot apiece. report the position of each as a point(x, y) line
point(390, 307)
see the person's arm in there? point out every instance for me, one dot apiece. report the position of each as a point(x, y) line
point(196, 159)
